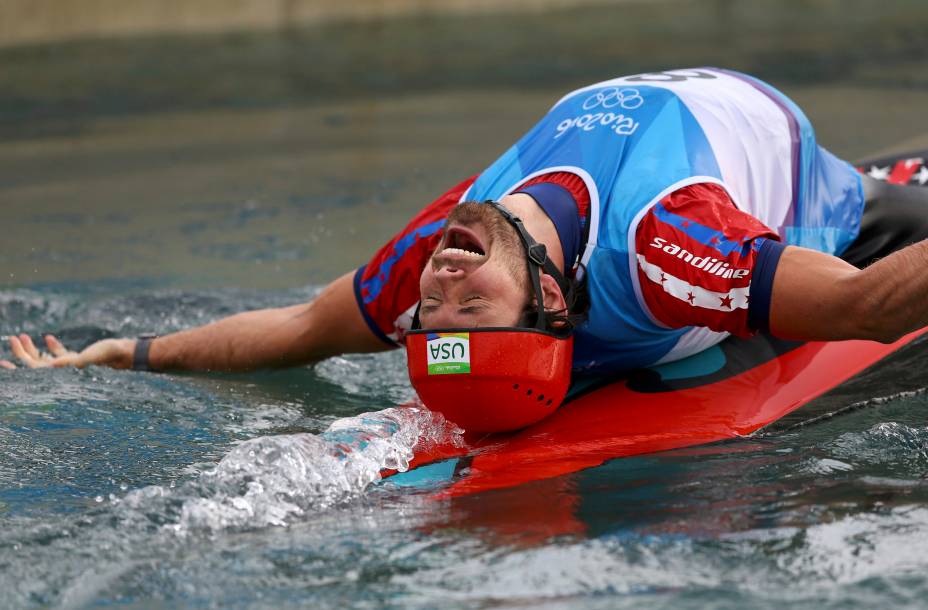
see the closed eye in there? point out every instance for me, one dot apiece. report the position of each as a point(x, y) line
point(472, 310)
point(431, 305)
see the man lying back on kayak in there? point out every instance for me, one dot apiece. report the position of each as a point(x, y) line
point(681, 206)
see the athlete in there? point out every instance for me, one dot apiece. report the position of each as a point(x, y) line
point(643, 218)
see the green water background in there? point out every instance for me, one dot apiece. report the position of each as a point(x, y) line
point(274, 159)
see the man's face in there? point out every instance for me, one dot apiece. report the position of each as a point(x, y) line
point(477, 275)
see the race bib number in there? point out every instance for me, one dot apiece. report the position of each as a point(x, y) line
point(448, 353)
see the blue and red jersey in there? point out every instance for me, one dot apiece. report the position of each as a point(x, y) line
point(686, 182)
point(679, 293)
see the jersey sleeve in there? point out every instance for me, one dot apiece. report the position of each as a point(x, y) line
point(704, 262)
point(387, 287)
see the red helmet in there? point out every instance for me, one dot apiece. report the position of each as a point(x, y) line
point(495, 379)
point(491, 379)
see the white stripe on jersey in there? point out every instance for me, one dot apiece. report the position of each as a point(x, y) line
point(694, 295)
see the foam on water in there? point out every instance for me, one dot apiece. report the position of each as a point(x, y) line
point(828, 562)
point(272, 479)
point(206, 540)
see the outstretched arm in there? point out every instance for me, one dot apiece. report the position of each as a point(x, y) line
point(819, 297)
point(331, 324)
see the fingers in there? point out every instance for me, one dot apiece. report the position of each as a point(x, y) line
point(25, 351)
point(20, 352)
point(29, 355)
point(55, 347)
point(29, 346)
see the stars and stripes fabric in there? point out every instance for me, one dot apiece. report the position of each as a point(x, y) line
point(904, 171)
point(696, 254)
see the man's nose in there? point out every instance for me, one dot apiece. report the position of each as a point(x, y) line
point(450, 269)
point(449, 275)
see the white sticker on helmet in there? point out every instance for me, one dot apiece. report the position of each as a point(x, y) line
point(448, 353)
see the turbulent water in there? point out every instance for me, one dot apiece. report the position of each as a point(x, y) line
point(262, 491)
point(150, 185)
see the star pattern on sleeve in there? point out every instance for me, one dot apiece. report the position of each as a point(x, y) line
point(695, 251)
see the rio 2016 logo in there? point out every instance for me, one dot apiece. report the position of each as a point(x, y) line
point(607, 103)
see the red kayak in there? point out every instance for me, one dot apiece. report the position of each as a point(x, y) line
point(728, 391)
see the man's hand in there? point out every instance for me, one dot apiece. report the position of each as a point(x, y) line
point(115, 353)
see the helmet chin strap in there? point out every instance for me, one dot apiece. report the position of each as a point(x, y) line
point(538, 260)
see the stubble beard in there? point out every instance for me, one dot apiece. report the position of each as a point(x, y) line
point(504, 241)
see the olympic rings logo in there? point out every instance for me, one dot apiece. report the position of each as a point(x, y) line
point(627, 99)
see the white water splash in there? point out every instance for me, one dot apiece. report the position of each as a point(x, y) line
point(273, 479)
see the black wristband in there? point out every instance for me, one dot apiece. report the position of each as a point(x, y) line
point(140, 355)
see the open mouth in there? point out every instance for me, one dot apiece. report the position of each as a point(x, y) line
point(464, 242)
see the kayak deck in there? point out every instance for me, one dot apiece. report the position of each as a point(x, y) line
point(726, 392)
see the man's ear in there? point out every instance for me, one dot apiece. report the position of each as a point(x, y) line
point(551, 293)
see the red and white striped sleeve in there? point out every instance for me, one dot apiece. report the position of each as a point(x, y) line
point(704, 262)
